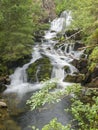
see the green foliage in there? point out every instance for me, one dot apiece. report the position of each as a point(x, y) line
point(48, 94)
point(93, 38)
point(93, 59)
point(55, 125)
point(19, 20)
point(86, 113)
point(81, 11)
point(92, 66)
point(93, 56)
point(34, 128)
point(83, 111)
point(16, 29)
point(3, 69)
point(41, 97)
point(60, 6)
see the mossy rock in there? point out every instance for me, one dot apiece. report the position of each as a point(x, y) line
point(79, 78)
point(39, 70)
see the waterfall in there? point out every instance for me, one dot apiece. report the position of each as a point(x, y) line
point(59, 25)
point(58, 57)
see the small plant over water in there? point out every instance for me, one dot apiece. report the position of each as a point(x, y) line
point(48, 94)
point(40, 98)
point(84, 105)
point(54, 125)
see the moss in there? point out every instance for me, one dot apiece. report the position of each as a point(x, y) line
point(94, 55)
point(3, 69)
point(92, 66)
point(41, 69)
point(93, 38)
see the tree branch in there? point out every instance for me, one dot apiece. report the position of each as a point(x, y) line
point(87, 47)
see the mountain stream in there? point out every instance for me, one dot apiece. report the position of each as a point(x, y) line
point(20, 89)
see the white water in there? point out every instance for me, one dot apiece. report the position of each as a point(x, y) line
point(58, 57)
point(59, 25)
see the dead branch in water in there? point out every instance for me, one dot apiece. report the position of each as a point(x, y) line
point(87, 47)
point(73, 35)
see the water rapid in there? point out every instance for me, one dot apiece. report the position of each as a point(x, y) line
point(59, 56)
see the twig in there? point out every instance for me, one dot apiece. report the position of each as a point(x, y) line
point(87, 47)
point(68, 38)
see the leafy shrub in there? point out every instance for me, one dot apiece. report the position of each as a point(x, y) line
point(55, 125)
point(83, 111)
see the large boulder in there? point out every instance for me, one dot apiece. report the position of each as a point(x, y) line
point(39, 70)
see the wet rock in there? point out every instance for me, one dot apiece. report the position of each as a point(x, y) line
point(3, 104)
point(93, 83)
point(95, 72)
point(19, 62)
point(49, 7)
point(81, 65)
point(39, 70)
point(78, 45)
point(4, 80)
point(75, 78)
point(2, 87)
point(91, 77)
point(38, 35)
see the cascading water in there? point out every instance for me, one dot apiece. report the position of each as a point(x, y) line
point(58, 57)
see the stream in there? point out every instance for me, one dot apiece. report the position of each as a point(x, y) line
point(20, 90)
